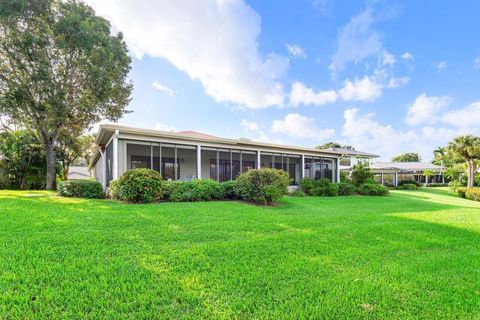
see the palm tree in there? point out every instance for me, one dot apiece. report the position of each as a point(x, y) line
point(467, 148)
point(428, 174)
point(440, 155)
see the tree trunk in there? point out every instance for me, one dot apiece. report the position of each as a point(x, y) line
point(51, 164)
point(470, 173)
point(66, 168)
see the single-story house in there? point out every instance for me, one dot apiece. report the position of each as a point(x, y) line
point(392, 173)
point(351, 157)
point(78, 172)
point(188, 155)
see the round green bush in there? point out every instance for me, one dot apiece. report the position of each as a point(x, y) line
point(229, 189)
point(321, 187)
point(461, 192)
point(407, 186)
point(139, 186)
point(372, 189)
point(81, 189)
point(473, 193)
point(264, 185)
point(345, 189)
point(197, 190)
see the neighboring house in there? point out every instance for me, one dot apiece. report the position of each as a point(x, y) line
point(350, 158)
point(78, 172)
point(188, 155)
point(392, 173)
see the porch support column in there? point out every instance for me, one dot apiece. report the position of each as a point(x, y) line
point(258, 159)
point(396, 180)
point(199, 161)
point(338, 170)
point(115, 155)
point(382, 178)
point(303, 166)
point(104, 169)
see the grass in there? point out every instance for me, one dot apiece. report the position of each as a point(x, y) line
point(414, 254)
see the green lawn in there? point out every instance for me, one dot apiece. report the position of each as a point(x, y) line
point(414, 254)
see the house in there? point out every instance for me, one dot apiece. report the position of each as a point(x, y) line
point(392, 173)
point(78, 172)
point(351, 157)
point(188, 155)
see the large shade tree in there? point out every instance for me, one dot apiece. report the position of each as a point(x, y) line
point(60, 67)
point(466, 148)
point(407, 157)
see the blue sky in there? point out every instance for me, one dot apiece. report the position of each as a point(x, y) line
point(384, 76)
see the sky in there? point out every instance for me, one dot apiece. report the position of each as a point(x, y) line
point(386, 77)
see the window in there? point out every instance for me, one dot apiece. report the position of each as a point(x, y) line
point(345, 161)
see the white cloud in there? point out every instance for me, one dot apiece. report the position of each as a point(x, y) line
point(356, 41)
point(394, 83)
point(296, 51)
point(407, 56)
point(157, 85)
point(299, 126)
point(425, 109)
point(366, 134)
point(388, 59)
point(215, 42)
point(441, 66)
point(249, 126)
point(164, 127)
point(300, 94)
point(476, 63)
point(466, 117)
point(365, 89)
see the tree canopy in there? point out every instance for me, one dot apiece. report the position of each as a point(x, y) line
point(332, 144)
point(61, 70)
point(407, 157)
point(466, 148)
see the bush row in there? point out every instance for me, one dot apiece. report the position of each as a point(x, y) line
point(81, 189)
point(407, 186)
point(469, 193)
point(265, 186)
point(326, 188)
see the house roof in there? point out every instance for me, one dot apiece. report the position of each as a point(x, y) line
point(351, 152)
point(106, 131)
point(78, 172)
point(404, 166)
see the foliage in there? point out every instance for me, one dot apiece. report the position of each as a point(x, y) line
point(473, 194)
point(139, 186)
point(454, 185)
point(346, 189)
point(401, 183)
point(428, 174)
point(332, 144)
point(360, 174)
point(22, 163)
point(372, 189)
point(435, 185)
point(407, 186)
point(466, 148)
point(229, 189)
point(461, 192)
point(167, 188)
point(81, 189)
point(407, 157)
point(264, 185)
point(320, 187)
point(452, 173)
point(72, 149)
point(297, 193)
point(197, 190)
point(344, 177)
point(62, 70)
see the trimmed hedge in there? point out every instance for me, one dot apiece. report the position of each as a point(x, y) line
point(462, 192)
point(138, 186)
point(473, 194)
point(434, 185)
point(264, 185)
point(372, 189)
point(321, 187)
point(407, 186)
point(346, 189)
point(197, 190)
point(229, 189)
point(81, 189)
point(401, 183)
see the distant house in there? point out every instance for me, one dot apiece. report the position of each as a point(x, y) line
point(392, 173)
point(78, 172)
point(351, 157)
point(188, 155)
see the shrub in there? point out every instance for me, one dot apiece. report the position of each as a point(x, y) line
point(462, 192)
point(197, 190)
point(372, 189)
point(473, 194)
point(346, 189)
point(407, 186)
point(139, 186)
point(167, 188)
point(113, 190)
point(81, 189)
point(361, 174)
point(229, 189)
point(297, 193)
point(434, 185)
point(321, 187)
point(262, 185)
point(454, 185)
point(401, 183)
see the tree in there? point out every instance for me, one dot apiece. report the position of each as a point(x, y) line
point(73, 150)
point(428, 174)
point(360, 174)
point(60, 67)
point(467, 148)
point(407, 157)
point(334, 145)
point(453, 173)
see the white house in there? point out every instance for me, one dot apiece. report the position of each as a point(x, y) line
point(350, 158)
point(392, 173)
point(190, 155)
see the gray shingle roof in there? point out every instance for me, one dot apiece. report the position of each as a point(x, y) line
point(353, 152)
point(410, 166)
